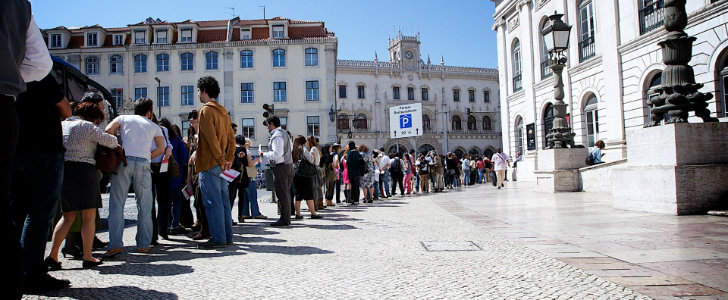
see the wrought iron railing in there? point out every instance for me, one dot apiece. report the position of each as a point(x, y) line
point(545, 70)
point(652, 15)
point(517, 86)
point(586, 49)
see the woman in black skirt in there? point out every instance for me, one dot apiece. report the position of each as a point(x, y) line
point(303, 185)
point(81, 191)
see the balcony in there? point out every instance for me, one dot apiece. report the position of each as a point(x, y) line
point(586, 49)
point(652, 15)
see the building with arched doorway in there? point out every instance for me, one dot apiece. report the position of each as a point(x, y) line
point(365, 90)
point(613, 62)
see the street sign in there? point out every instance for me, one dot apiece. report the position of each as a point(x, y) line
point(405, 120)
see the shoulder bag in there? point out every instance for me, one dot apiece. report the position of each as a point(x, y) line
point(304, 168)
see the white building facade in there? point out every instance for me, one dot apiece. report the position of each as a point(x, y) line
point(367, 89)
point(613, 60)
point(288, 63)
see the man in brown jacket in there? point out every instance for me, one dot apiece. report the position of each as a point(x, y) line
point(215, 151)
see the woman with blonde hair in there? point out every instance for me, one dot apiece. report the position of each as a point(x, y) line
point(303, 185)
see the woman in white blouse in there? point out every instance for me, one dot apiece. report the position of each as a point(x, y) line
point(81, 191)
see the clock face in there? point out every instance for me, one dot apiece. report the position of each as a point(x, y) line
point(408, 54)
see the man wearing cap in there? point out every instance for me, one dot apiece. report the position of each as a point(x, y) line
point(281, 165)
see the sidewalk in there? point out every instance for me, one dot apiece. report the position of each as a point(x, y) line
point(657, 255)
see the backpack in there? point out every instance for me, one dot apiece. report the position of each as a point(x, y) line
point(396, 166)
point(589, 159)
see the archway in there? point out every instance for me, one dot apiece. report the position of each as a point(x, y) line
point(425, 148)
point(394, 149)
point(488, 153)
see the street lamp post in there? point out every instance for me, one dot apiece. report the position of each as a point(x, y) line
point(159, 97)
point(333, 113)
point(556, 40)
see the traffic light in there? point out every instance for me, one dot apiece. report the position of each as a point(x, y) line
point(268, 110)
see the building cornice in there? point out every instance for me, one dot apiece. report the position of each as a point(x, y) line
point(515, 96)
point(589, 64)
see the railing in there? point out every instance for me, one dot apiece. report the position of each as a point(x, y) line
point(652, 15)
point(546, 71)
point(586, 49)
point(385, 66)
point(517, 83)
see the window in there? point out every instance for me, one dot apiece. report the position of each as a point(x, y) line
point(185, 127)
point(163, 95)
point(162, 62)
point(140, 63)
point(656, 81)
point(721, 84)
point(278, 31)
point(188, 95)
point(279, 92)
point(516, 59)
point(279, 58)
point(312, 90)
point(56, 40)
point(586, 30)
point(245, 34)
point(548, 123)
point(246, 59)
point(161, 36)
point(187, 35)
point(360, 91)
point(118, 39)
point(117, 96)
point(360, 122)
point(457, 123)
point(456, 95)
point(187, 61)
point(652, 15)
point(247, 92)
point(211, 60)
point(311, 57)
point(545, 69)
point(426, 124)
point(472, 123)
point(92, 65)
point(342, 122)
point(139, 36)
point(486, 123)
point(92, 39)
point(425, 94)
point(140, 92)
point(410, 93)
point(284, 122)
point(312, 124)
point(249, 128)
point(486, 96)
point(518, 130)
point(395, 92)
point(471, 95)
point(116, 65)
point(342, 91)
point(591, 119)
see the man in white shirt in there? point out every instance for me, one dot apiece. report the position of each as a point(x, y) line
point(384, 176)
point(500, 164)
point(281, 165)
point(138, 133)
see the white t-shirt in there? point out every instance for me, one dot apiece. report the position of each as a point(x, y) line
point(500, 161)
point(384, 162)
point(137, 135)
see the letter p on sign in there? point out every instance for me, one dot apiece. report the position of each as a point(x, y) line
point(405, 121)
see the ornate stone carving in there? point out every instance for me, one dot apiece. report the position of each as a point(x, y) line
point(513, 23)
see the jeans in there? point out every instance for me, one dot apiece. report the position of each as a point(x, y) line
point(481, 176)
point(466, 177)
point(139, 172)
point(215, 198)
point(11, 249)
point(376, 190)
point(36, 187)
point(386, 179)
point(250, 201)
point(177, 200)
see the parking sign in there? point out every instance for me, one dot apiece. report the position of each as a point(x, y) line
point(405, 120)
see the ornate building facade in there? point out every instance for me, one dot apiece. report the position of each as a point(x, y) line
point(613, 62)
point(367, 89)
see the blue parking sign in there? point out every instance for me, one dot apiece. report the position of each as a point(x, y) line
point(405, 121)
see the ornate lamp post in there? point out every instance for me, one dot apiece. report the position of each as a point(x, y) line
point(678, 93)
point(556, 39)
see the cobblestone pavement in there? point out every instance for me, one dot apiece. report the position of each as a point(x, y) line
point(372, 251)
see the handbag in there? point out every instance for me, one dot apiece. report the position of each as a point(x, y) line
point(108, 159)
point(174, 169)
point(304, 168)
point(363, 169)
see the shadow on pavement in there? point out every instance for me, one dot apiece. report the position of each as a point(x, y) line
point(286, 250)
point(145, 269)
point(112, 293)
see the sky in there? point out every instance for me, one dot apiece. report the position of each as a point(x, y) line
point(458, 30)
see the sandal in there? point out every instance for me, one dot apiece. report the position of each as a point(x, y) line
point(113, 252)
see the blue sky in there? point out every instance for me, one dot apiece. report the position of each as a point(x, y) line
point(459, 30)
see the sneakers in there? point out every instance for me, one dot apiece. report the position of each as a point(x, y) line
point(211, 245)
point(44, 283)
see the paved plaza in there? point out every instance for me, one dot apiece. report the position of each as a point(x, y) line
point(475, 242)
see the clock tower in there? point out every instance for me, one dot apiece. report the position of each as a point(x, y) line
point(405, 50)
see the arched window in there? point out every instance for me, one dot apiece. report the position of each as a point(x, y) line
point(360, 122)
point(516, 59)
point(397, 149)
point(140, 63)
point(486, 123)
point(488, 153)
point(721, 82)
point(457, 123)
point(116, 65)
point(311, 56)
point(474, 153)
point(162, 62)
point(545, 70)
point(187, 61)
point(591, 120)
point(279, 58)
point(518, 133)
point(459, 152)
point(586, 30)
point(471, 123)
point(548, 123)
point(342, 122)
point(211, 60)
point(426, 125)
point(654, 81)
point(246, 59)
point(424, 149)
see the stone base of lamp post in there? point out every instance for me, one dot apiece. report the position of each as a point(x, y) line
point(674, 169)
point(558, 169)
